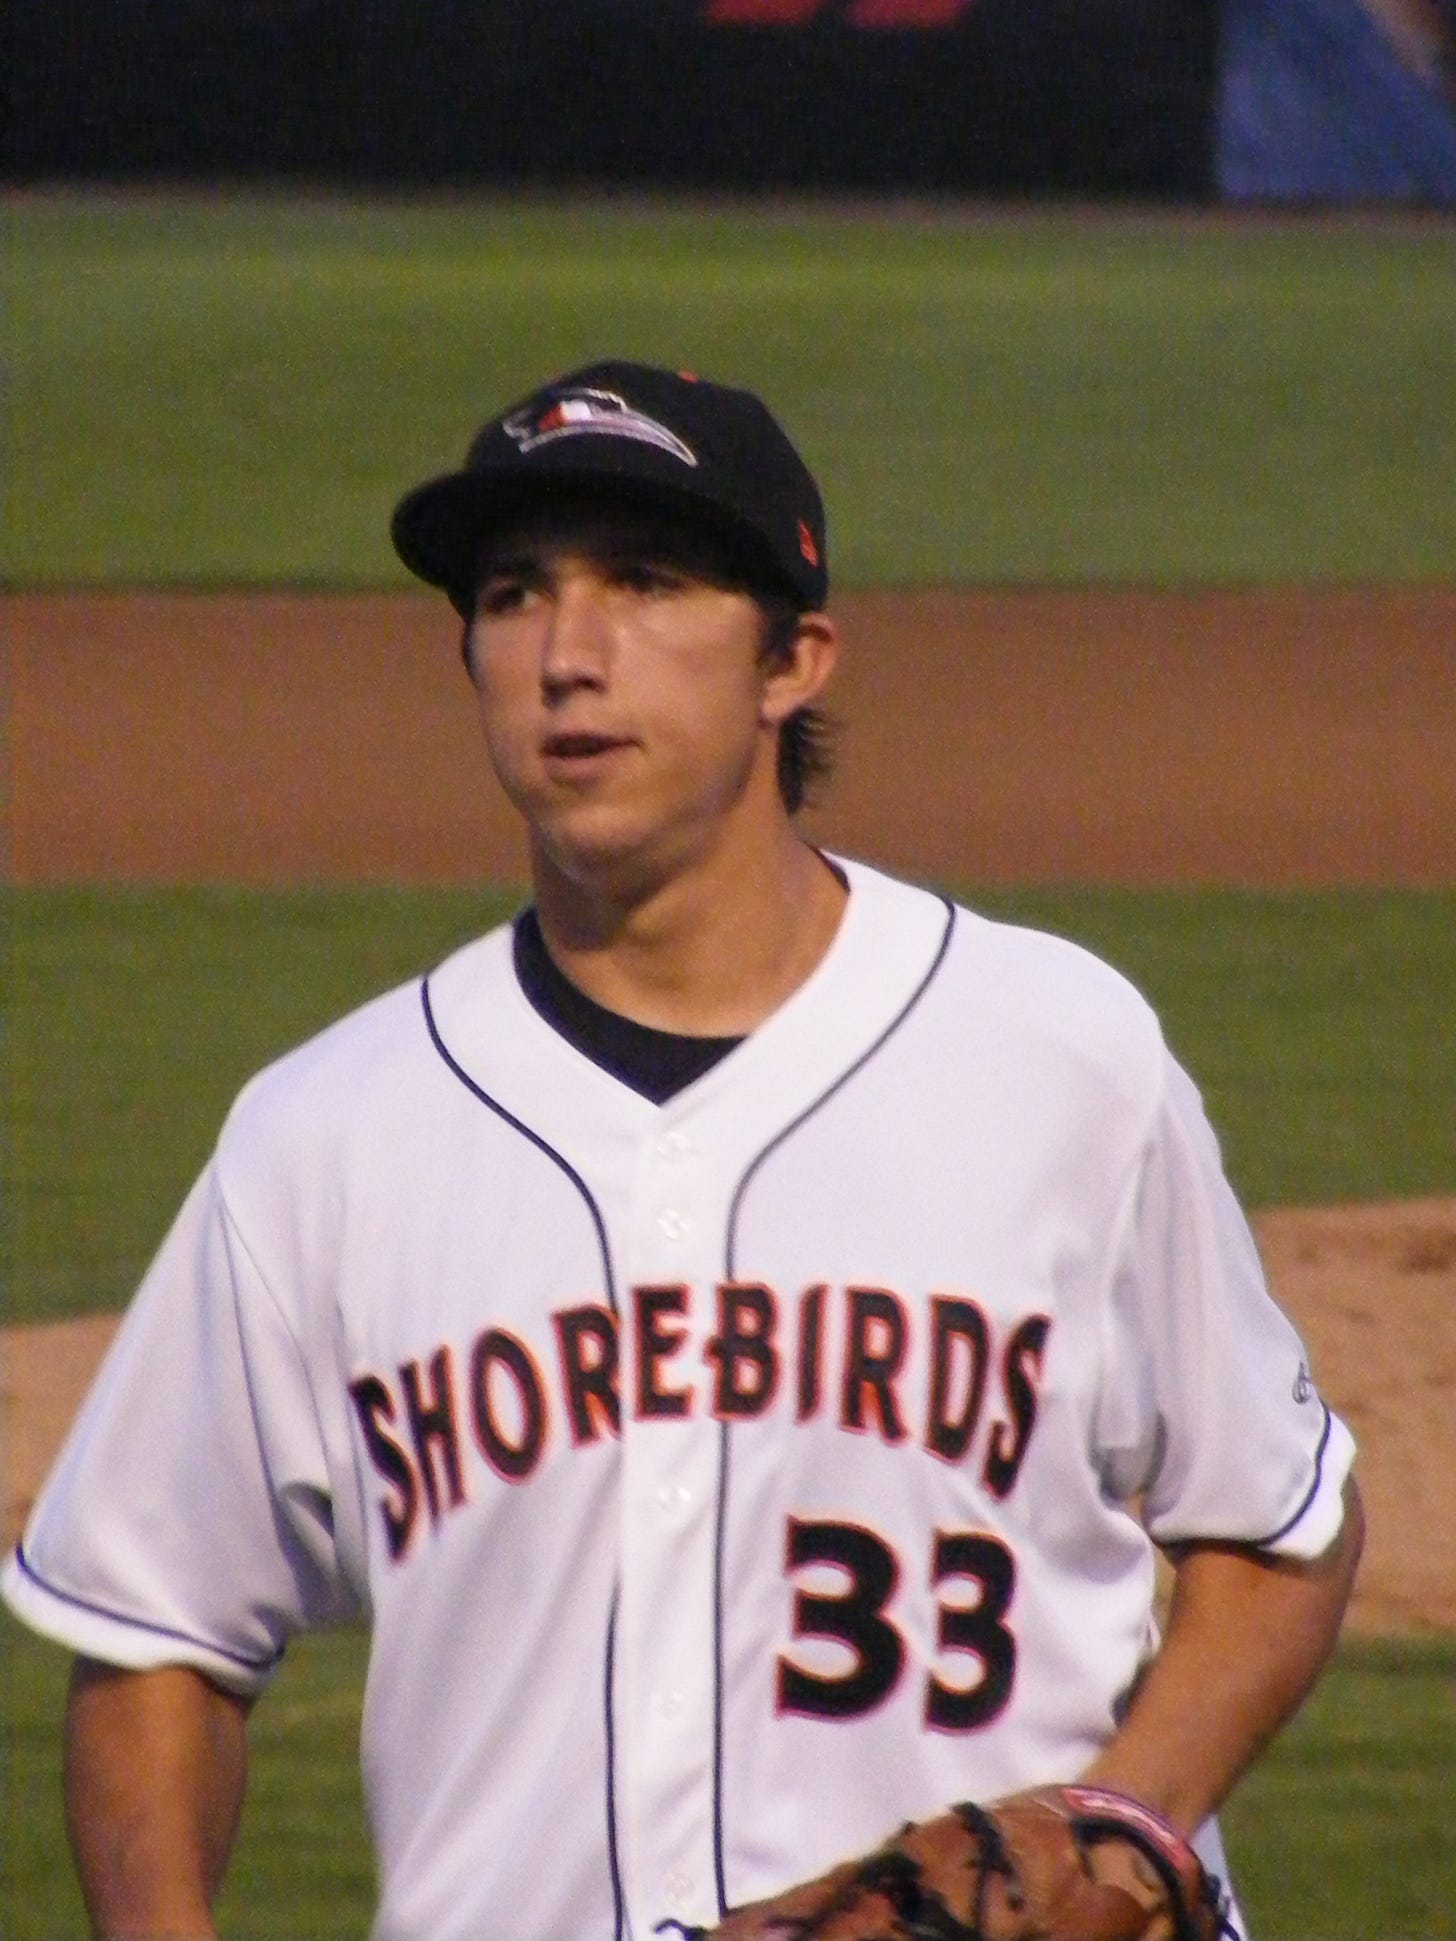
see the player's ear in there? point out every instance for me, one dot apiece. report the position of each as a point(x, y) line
point(800, 669)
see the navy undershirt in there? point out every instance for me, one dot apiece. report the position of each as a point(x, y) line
point(655, 1063)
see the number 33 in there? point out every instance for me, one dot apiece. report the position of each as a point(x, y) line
point(855, 1618)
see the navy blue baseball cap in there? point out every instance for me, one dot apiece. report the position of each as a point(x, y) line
point(644, 436)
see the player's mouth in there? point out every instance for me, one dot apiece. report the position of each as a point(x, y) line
point(580, 752)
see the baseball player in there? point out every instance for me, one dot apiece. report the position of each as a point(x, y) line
point(737, 1334)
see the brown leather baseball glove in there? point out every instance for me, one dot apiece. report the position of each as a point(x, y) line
point(1061, 1863)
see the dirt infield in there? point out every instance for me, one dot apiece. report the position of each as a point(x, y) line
point(1255, 738)
point(1089, 736)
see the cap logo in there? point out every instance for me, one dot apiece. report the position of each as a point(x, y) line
point(586, 413)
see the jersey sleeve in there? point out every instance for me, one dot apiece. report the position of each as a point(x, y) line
point(188, 1518)
point(1209, 1413)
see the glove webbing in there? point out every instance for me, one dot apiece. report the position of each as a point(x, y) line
point(921, 1913)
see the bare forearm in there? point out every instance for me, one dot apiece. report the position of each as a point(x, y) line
point(155, 1769)
point(1247, 1637)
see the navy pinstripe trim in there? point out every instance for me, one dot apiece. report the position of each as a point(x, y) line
point(724, 1442)
point(532, 1138)
point(725, 1447)
point(476, 1091)
point(28, 1569)
point(619, 1903)
point(1263, 1543)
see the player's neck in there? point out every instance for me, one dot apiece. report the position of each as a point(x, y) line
point(697, 954)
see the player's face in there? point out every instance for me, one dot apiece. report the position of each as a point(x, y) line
point(625, 703)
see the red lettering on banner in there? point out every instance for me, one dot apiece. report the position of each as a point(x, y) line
point(871, 15)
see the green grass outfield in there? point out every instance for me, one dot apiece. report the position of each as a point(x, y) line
point(214, 389)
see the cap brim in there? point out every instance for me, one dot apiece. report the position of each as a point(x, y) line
point(438, 529)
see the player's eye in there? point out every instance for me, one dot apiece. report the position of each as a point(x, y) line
point(647, 576)
point(501, 593)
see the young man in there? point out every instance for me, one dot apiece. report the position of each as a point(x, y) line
point(737, 1334)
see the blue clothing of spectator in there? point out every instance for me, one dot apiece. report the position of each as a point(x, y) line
point(1316, 104)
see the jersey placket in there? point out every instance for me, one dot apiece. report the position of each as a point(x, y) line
point(665, 1703)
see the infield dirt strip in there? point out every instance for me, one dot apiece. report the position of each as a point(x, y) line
point(990, 737)
point(1256, 738)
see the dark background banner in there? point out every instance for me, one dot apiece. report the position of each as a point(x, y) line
point(1109, 98)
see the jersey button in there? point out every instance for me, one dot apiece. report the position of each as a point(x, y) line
point(679, 1890)
point(673, 1145)
point(674, 1223)
point(674, 1499)
point(670, 1703)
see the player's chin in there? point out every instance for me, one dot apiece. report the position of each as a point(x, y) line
point(605, 844)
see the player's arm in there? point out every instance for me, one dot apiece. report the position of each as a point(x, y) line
point(1247, 1635)
point(155, 1769)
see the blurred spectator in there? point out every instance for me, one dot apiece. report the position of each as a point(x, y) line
point(1337, 101)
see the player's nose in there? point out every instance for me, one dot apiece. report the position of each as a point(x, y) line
point(576, 643)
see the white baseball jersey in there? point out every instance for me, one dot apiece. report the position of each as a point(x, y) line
point(724, 1481)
